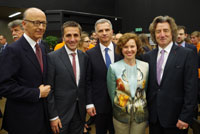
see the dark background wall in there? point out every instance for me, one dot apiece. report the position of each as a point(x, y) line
point(105, 7)
point(140, 13)
point(134, 13)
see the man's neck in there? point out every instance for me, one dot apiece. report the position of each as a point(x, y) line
point(106, 44)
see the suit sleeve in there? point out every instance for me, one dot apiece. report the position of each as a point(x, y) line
point(9, 86)
point(89, 83)
point(111, 83)
point(190, 88)
point(51, 80)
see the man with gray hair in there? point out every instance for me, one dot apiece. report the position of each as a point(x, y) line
point(100, 57)
point(16, 29)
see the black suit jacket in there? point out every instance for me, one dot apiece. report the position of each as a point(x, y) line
point(20, 79)
point(176, 97)
point(191, 47)
point(97, 92)
point(65, 93)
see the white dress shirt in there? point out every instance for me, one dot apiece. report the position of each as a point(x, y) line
point(31, 42)
point(166, 54)
point(110, 52)
point(69, 52)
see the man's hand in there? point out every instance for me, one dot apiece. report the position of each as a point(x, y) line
point(44, 90)
point(56, 125)
point(182, 125)
point(91, 111)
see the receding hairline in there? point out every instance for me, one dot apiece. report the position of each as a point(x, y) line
point(30, 10)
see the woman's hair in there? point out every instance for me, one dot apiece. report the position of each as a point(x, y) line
point(83, 35)
point(124, 39)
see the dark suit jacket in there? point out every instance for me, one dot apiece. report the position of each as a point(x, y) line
point(20, 79)
point(97, 92)
point(191, 47)
point(62, 99)
point(176, 97)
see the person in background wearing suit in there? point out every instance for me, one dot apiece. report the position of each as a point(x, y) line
point(67, 77)
point(181, 36)
point(100, 57)
point(16, 29)
point(172, 86)
point(24, 77)
point(3, 43)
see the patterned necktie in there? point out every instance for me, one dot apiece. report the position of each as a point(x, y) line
point(108, 61)
point(159, 66)
point(74, 63)
point(39, 56)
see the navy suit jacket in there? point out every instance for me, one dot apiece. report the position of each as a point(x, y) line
point(20, 79)
point(191, 47)
point(176, 97)
point(97, 91)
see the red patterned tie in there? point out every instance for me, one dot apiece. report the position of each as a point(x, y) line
point(39, 55)
point(74, 63)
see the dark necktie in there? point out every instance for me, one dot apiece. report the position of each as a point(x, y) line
point(107, 57)
point(159, 66)
point(39, 56)
point(74, 63)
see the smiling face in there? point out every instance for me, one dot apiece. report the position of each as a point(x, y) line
point(163, 34)
point(129, 50)
point(71, 37)
point(33, 31)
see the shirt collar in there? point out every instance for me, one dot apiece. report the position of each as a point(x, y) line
point(167, 49)
point(30, 41)
point(69, 52)
point(182, 44)
point(110, 46)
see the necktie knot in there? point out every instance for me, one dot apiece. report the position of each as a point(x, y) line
point(162, 51)
point(73, 54)
point(106, 50)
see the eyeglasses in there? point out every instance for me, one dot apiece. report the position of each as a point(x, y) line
point(38, 23)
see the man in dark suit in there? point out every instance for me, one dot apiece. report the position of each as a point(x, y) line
point(98, 101)
point(3, 43)
point(172, 85)
point(180, 41)
point(67, 76)
point(181, 36)
point(22, 81)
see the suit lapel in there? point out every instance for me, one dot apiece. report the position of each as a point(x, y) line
point(99, 54)
point(170, 61)
point(154, 62)
point(81, 63)
point(66, 61)
point(30, 54)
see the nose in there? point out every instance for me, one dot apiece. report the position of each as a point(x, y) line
point(13, 32)
point(72, 38)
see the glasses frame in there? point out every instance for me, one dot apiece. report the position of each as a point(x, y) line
point(37, 23)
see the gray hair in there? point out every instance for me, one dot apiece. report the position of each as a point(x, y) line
point(100, 21)
point(15, 23)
